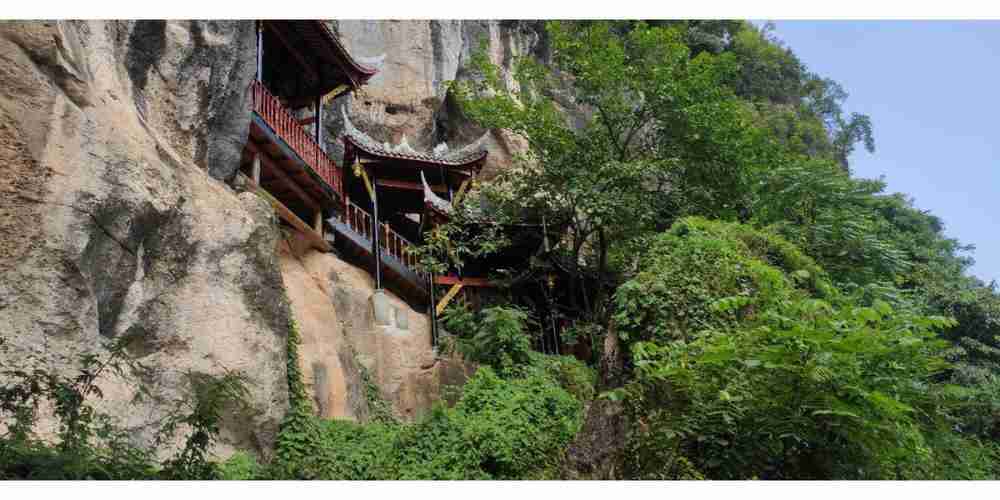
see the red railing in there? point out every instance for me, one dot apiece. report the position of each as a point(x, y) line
point(288, 129)
point(389, 240)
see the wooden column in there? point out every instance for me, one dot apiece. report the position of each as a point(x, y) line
point(256, 168)
point(260, 52)
point(444, 180)
point(318, 223)
point(319, 119)
point(376, 249)
point(432, 310)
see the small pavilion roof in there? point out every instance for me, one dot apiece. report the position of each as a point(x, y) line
point(433, 201)
point(470, 155)
point(322, 42)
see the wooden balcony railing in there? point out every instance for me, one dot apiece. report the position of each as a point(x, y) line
point(390, 241)
point(288, 129)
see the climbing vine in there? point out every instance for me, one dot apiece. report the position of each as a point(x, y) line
point(300, 429)
point(379, 410)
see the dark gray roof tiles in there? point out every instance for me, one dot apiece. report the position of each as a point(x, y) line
point(441, 155)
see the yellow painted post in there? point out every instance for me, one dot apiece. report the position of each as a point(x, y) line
point(333, 93)
point(360, 172)
point(447, 297)
point(461, 191)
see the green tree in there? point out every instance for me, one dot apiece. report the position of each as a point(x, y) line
point(755, 367)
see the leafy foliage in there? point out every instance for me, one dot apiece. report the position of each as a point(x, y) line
point(719, 119)
point(769, 381)
point(240, 466)
point(499, 429)
point(91, 445)
point(496, 336)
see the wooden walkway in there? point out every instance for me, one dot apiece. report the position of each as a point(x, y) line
point(354, 229)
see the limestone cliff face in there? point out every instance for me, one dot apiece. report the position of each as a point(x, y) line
point(408, 98)
point(110, 223)
point(332, 301)
point(121, 212)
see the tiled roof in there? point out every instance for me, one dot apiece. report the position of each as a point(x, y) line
point(355, 65)
point(433, 200)
point(441, 155)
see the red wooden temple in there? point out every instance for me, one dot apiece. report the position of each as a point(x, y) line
point(386, 183)
point(300, 64)
point(384, 198)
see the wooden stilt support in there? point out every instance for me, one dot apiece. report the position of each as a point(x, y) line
point(318, 223)
point(260, 53)
point(290, 217)
point(461, 191)
point(256, 168)
point(376, 237)
point(447, 297)
point(275, 170)
point(432, 311)
point(452, 280)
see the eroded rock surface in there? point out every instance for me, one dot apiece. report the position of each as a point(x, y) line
point(119, 146)
point(341, 336)
point(110, 224)
point(408, 98)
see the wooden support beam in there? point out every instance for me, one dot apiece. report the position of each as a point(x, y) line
point(282, 176)
point(260, 51)
point(318, 119)
point(376, 231)
point(461, 192)
point(318, 223)
point(288, 216)
point(298, 57)
point(339, 89)
point(454, 280)
point(414, 186)
point(309, 120)
point(361, 172)
point(447, 298)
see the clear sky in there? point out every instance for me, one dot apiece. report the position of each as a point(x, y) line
point(932, 90)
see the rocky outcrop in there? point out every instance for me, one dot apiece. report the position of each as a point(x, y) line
point(121, 212)
point(408, 99)
point(349, 329)
point(110, 224)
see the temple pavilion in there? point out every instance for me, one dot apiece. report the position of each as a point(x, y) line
point(300, 65)
point(385, 198)
point(388, 184)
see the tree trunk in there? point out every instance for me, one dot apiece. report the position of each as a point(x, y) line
point(597, 452)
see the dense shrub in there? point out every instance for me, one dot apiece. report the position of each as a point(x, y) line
point(570, 373)
point(752, 376)
point(497, 336)
point(698, 262)
point(240, 466)
point(88, 444)
point(500, 428)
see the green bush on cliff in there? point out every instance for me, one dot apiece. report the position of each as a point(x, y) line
point(89, 444)
point(764, 371)
point(500, 428)
point(496, 336)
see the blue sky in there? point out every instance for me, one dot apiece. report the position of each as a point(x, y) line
point(932, 89)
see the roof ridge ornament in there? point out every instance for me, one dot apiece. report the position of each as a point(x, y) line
point(432, 199)
point(442, 154)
